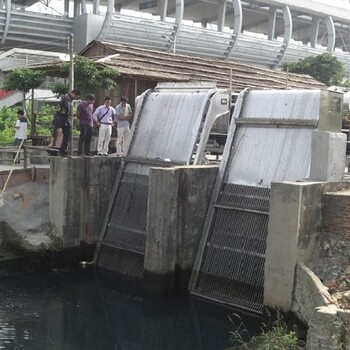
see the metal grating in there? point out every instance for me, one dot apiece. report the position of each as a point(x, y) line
point(120, 261)
point(269, 141)
point(126, 229)
point(232, 269)
point(167, 127)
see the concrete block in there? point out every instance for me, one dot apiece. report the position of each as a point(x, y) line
point(178, 200)
point(328, 156)
point(293, 219)
point(160, 251)
point(80, 189)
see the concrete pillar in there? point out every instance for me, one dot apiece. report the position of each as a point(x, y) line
point(79, 194)
point(86, 28)
point(96, 7)
point(77, 8)
point(314, 31)
point(83, 6)
point(221, 14)
point(163, 9)
point(66, 179)
point(272, 23)
point(328, 156)
point(66, 7)
point(177, 205)
point(331, 34)
point(294, 219)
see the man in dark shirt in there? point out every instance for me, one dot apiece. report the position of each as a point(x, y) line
point(65, 112)
point(84, 114)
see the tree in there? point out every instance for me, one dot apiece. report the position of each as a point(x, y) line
point(8, 117)
point(89, 76)
point(324, 68)
point(25, 80)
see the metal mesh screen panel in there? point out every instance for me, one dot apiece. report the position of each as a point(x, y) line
point(121, 261)
point(127, 225)
point(245, 197)
point(232, 269)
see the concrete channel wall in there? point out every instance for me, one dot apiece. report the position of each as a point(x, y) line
point(80, 190)
point(178, 200)
point(295, 225)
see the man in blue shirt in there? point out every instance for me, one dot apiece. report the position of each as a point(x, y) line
point(123, 114)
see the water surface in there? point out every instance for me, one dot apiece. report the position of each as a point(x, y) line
point(72, 310)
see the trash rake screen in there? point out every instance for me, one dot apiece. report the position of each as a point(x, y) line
point(232, 269)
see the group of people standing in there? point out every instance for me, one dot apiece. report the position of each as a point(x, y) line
point(105, 117)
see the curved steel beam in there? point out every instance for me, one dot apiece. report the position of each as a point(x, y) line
point(330, 33)
point(237, 26)
point(7, 22)
point(107, 21)
point(288, 29)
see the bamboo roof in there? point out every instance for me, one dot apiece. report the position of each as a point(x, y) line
point(164, 66)
point(140, 63)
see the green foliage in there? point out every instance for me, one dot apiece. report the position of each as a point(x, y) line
point(8, 117)
point(345, 83)
point(59, 88)
point(91, 76)
point(324, 68)
point(275, 337)
point(279, 338)
point(44, 118)
point(23, 79)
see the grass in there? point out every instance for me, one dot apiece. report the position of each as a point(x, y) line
point(276, 336)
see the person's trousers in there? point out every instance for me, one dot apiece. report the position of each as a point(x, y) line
point(17, 142)
point(84, 139)
point(104, 137)
point(66, 130)
point(123, 134)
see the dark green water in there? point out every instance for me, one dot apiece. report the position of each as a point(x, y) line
point(72, 310)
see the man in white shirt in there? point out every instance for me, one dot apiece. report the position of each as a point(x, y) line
point(21, 128)
point(104, 118)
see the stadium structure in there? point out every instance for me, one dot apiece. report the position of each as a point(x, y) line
point(264, 32)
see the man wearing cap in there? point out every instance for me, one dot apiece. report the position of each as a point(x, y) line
point(123, 114)
point(65, 116)
point(84, 114)
point(104, 118)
